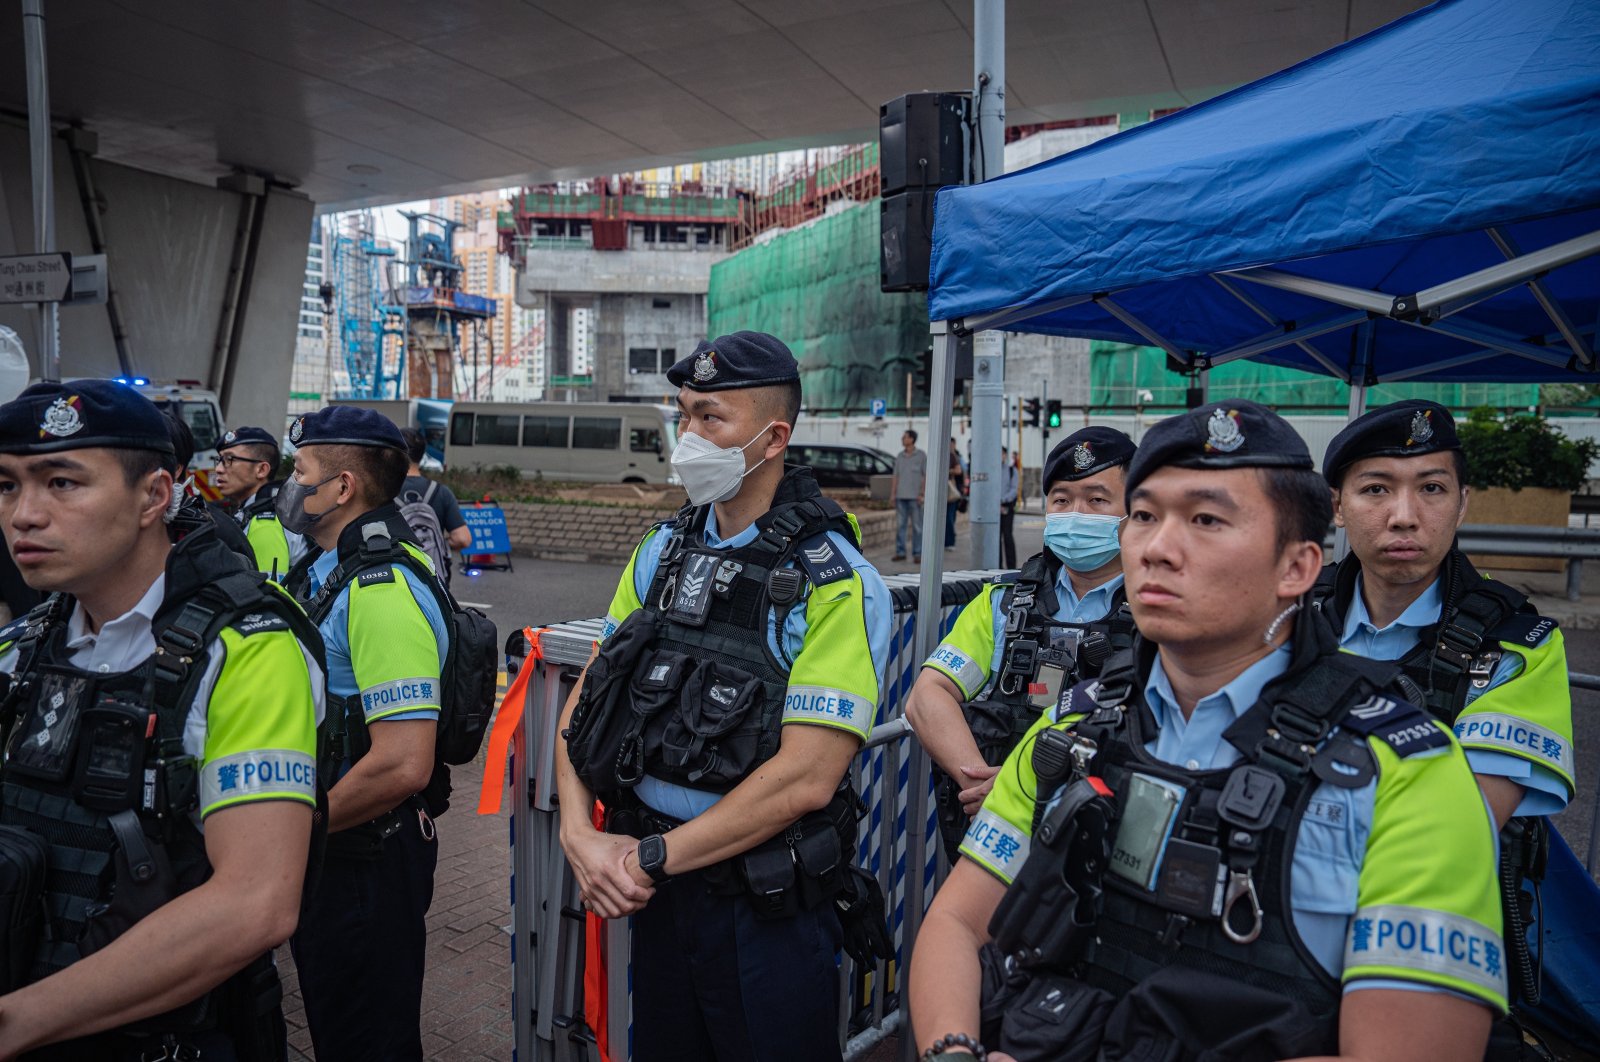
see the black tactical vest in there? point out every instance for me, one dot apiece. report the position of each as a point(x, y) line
point(1204, 953)
point(1460, 652)
point(109, 787)
point(707, 697)
point(1034, 639)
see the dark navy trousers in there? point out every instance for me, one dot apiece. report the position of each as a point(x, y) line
point(711, 981)
point(361, 949)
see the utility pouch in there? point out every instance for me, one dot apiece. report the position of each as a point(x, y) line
point(1054, 1019)
point(109, 775)
point(43, 742)
point(250, 1008)
point(602, 716)
point(769, 872)
point(654, 687)
point(23, 859)
point(706, 742)
point(822, 869)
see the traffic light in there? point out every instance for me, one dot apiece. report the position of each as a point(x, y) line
point(1052, 411)
point(1030, 412)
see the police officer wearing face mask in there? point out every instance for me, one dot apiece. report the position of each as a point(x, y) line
point(1238, 842)
point(244, 477)
point(739, 673)
point(361, 945)
point(1478, 656)
point(1016, 644)
point(160, 726)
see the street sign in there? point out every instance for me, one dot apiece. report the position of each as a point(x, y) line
point(880, 406)
point(488, 527)
point(36, 277)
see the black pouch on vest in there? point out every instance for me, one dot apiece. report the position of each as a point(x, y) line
point(1181, 1012)
point(23, 857)
point(602, 717)
point(705, 741)
point(657, 680)
point(43, 744)
point(821, 868)
point(1055, 1019)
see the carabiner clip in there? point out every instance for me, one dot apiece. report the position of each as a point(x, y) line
point(1241, 884)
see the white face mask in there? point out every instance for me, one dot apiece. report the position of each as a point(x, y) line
point(711, 473)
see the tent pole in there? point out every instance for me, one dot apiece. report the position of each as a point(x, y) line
point(1360, 372)
point(941, 381)
point(988, 361)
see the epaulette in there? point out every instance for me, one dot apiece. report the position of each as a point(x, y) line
point(823, 561)
point(1404, 727)
point(1522, 628)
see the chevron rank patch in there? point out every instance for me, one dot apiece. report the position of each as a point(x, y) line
point(823, 561)
point(1407, 729)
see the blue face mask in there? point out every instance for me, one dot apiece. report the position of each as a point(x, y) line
point(1083, 541)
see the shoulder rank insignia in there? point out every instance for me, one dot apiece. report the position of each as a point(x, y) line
point(822, 560)
point(1406, 728)
point(1522, 628)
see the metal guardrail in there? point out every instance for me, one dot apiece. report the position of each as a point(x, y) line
point(1573, 544)
point(549, 924)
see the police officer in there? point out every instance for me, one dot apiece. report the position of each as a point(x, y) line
point(1238, 842)
point(1069, 616)
point(757, 633)
point(161, 721)
point(190, 511)
point(246, 466)
point(1479, 657)
point(360, 946)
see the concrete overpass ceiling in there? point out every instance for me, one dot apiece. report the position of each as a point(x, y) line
point(359, 102)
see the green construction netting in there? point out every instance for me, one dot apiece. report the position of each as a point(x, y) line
point(1122, 377)
point(816, 288)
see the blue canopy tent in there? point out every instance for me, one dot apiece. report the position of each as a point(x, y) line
point(1421, 203)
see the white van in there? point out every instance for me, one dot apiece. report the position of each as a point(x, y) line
point(588, 442)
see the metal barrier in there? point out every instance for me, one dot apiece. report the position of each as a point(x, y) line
point(1573, 544)
point(548, 944)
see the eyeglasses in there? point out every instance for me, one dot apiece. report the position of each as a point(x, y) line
point(229, 460)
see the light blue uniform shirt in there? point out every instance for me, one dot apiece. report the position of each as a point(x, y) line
point(1544, 791)
point(1070, 608)
point(1333, 833)
point(335, 628)
point(681, 802)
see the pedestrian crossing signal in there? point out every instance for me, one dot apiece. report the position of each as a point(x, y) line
point(1053, 413)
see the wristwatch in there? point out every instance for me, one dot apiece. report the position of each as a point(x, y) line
point(653, 857)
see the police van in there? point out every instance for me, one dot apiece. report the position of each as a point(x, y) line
point(198, 408)
point(588, 442)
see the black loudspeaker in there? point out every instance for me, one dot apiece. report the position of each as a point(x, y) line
point(920, 141)
point(906, 228)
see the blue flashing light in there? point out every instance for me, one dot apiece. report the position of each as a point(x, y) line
point(474, 572)
point(140, 381)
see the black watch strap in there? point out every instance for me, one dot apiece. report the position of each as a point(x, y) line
point(653, 857)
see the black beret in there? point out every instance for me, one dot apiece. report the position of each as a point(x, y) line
point(1233, 434)
point(743, 359)
point(346, 426)
point(50, 417)
point(1086, 452)
point(247, 437)
point(1400, 429)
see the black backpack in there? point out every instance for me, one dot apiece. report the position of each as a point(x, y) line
point(472, 663)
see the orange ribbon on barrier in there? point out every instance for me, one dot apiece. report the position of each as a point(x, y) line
point(596, 1002)
point(507, 722)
